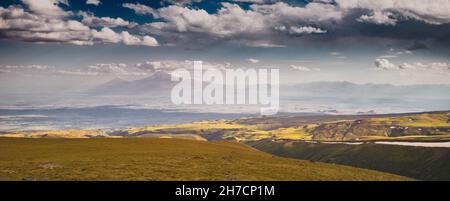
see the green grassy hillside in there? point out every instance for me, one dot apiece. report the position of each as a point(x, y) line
point(159, 159)
point(423, 163)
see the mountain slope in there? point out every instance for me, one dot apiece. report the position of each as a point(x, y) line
point(159, 159)
point(159, 82)
point(423, 163)
point(432, 124)
point(108, 87)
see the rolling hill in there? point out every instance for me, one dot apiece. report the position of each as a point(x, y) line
point(433, 124)
point(418, 126)
point(424, 163)
point(159, 159)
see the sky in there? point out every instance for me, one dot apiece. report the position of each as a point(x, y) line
point(56, 44)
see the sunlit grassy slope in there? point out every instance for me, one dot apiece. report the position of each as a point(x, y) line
point(159, 159)
point(424, 126)
point(57, 134)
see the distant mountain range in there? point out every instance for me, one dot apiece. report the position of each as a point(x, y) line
point(160, 83)
point(361, 91)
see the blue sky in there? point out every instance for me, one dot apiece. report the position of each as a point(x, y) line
point(399, 42)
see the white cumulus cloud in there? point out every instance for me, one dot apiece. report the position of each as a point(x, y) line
point(93, 2)
point(94, 21)
point(433, 12)
point(378, 17)
point(303, 68)
point(385, 64)
point(252, 60)
point(39, 25)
